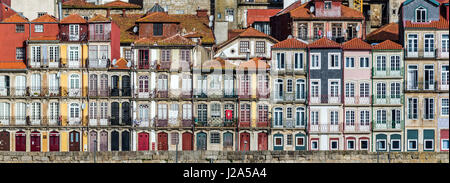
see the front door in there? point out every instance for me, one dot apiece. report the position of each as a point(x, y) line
point(54, 141)
point(93, 141)
point(125, 141)
point(162, 141)
point(4, 141)
point(187, 141)
point(115, 86)
point(74, 141)
point(262, 141)
point(201, 141)
point(114, 141)
point(143, 141)
point(126, 86)
point(21, 141)
point(245, 142)
point(35, 139)
point(103, 141)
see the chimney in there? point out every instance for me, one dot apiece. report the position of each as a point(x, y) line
point(60, 10)
point(202, 12)
point(123, 12)
point(108, 12)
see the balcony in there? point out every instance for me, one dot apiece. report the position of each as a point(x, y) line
point(163, 66)
point(263, 93)
point(74, 92)
point(35, 120)
point(326, 99)
point(143, 122)
point(326, 128)
point(17, 92)
point(35, 91)
point(4, 120)
point(388, 72)
point(388, 99)
point(442, 54)
point(98, 63)
point(229, 93)
point(74, 63)
point(289, 123)
point(54, 91)
point(388, 125)
point(4, 91)
point(215, 121)
point(19, 120)
point(144, 93)
point(161, 122)
point(115, 92)
point(53, 120)
point(200, 93)
point(66, 37)
point(185, 66)
point(126, 91)
point(162, 94)
point(358, 100)
point(106, 36)
point(44, 63)
point(419, 86)
point(244, 123)
point(422, 54)
point(186, 122)
point(186, 94)
point(357, 128)
point(245, 95)
point(74, 121)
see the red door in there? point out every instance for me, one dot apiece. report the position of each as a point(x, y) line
point(21, 141)
point(54, 141)
point(162, 141)
point(143, 141)
point(245, 142)
point(4, 141)
point(35, 139)
point(262, 141)
point(187, 141)
point(74, 141)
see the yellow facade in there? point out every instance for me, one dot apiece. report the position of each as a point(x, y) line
point(44, 145)
point(64, 141)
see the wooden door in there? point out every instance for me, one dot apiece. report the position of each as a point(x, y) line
point(74, 141)
point(125, 141)
point(115, 113)
point(21, 141)
point(187, 141)
point(54, 141)
point(126, 119)
point(114, 141)
point(126, 86)
point(143, 141)
point(115, 86)
point(104, 141)
point(35, 139)
point(262, 141)
point(93, 141)
point(4, 141)
point(201, 141)
point(162, 141)
point(245, 142)
point(228, 141)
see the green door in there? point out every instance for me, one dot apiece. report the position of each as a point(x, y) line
point(201, 141)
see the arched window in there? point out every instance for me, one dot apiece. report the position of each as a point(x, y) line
point(300, 89)
point(300, 116)
point(279, 89)
point(74, 81)
point(421, 14)
point(289, 86)
point(74, 110)
point(162, 82)
point(143, 83)
point(278, 116)
point(202, 113)
point(93, 82)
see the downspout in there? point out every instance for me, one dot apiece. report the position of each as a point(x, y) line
point(308, 101)
point(343, 99)
point(371, 101)
point(404, 106)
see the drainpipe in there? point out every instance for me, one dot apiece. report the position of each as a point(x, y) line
point(371, 104)
point(343, 99)
point(307, 128)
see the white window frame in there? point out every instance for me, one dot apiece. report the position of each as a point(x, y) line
point(289, 87)
point(331, 55)
point(445, 43)
point(412, 149)
point(350, 62)
point(275, 141)
point(443, 107)
point(331, 144)
point(350, 90)
point(442, 144)
point(415, 14)
point(74, 32)
point(410, 108)
point(354, 144)
point(364, 62)
point(360, 144)
point(412, 68)
point(399, 145)
point(38, 28)
point(431, 108)
point(338, 88)
point(317, 147)
point(296, 141)
point(312, 61)
point(412, 45)
point(318, 88)
point(444, 77)
point(378, 142)
point(428, 45)
point(281, 58)
point(298, 57)
point(315, 118)
point(425, 146)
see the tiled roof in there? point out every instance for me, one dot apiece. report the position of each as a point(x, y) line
point(248, 33)
point(78, 4)
point(82, 4)
point(217, 63)
point(254, 64)
point(120, 64)
point(290, 43)
point(432, 1)
point(301, 11)
point(45, 18)
point(16, 18)
point(160, 17)
point(324, 43)
point(441, 24)
point(156, 8)
point(389, 31)
point(99, 18)
point(12, 65)
point(126, 24)
point(175, 40)
point(356, 44)
point(73, 19)
point(234, 32)
point(388, 45)
point(260, 15)
point(120, 4)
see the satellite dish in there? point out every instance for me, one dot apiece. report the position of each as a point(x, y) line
point(357, 28)
point(135, 29)
point(311, 9)
point(128, 64)
point(211, 18)
point(83, 105)
point(114, 62)
point(210, 24)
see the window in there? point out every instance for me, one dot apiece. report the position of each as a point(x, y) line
point(428, 144)
point(445, 43)
point(334, 89)
point(74, 81)
point(278, 117)
point(314, 145)
point(54, 53)
point(41, 14)
point(334, 145)
point(413, 77)
point(349, 89)
point(35, 82)
point(334, 117)
point(350, 118)
point(143, 84)
point(428, 108)
point(300, 141)
point(364, 90)
point(263, 27)
point(263, 84)
point(289, 139)
point(20, 28)
point(381, 116)
point(395, 90)
point(93, 110)
point(364, 145)
point(302, 31)
point(381, 63)
point(54, 111)
point(289, 86)
point(395, 63)
point(173, 112)
point(157, 29)
point(4, 111)
point(314, 117)
point(36, 54)
point(421, 14)
point(289, 113)
point(333, 61)
point(336, 30)
point(395, 144)
point(444, 107)
point(429, 77)
point(128, 54)
point(215, 138)
point(298, 61)
point(214, 82)
point(381, 144)
point(263, 113)
point(35, 111)
point(162, 111)
point(412, 144)
point(412, 108)
point(318, 30)
point(229, 15)
point(202, 112)
point(349, 62)
point(165, 55)
point(364, 117)
point(162, 83)
point(279, 89)
point(445, 75)
point(364, 62)
point(185, 55)
point(174, 138)
point(350, 144)
point(245, 113)
point(278, 141)
point(20, 53)
point(187, 111)
point(315, 61)
point(74, 111)
point(74, 32)
point(260, 47)
point(327, 5)
point(381, 90)
point(315, 89)
point(186, 83)
point(280, 61)
point(351, 31)
point(300, 89)
point(103, 110)
point(245, 85)
point(215, 110)
point(412, 43)
point(99, 28)
point(429, 44)
point(38, 28)
point(300, 116)
point(244, 47)
point(444, 144)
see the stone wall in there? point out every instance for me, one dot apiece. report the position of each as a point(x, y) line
point(225, 157)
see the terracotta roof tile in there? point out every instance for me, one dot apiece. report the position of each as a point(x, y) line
point(290, 43)
point(78, 4)
point(324, 43)
point(249, 33)
point(99, 18)
point(441, 24)
point(254, 64)
point(12, 65)
point(217, 63)
point(388, 45)
point(120, 64)
point(175, 40)
point(45, 18)
point(73, 18)
point(16, 18)
point(301, 11)
point(121, 4)
point(260, 15)
point(389, 31)
point(82, 4)
point(234, 32)
point(356, 44)
point(158, 17)
point(126, 24)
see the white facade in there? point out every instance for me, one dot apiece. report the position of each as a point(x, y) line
point(32, 8)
